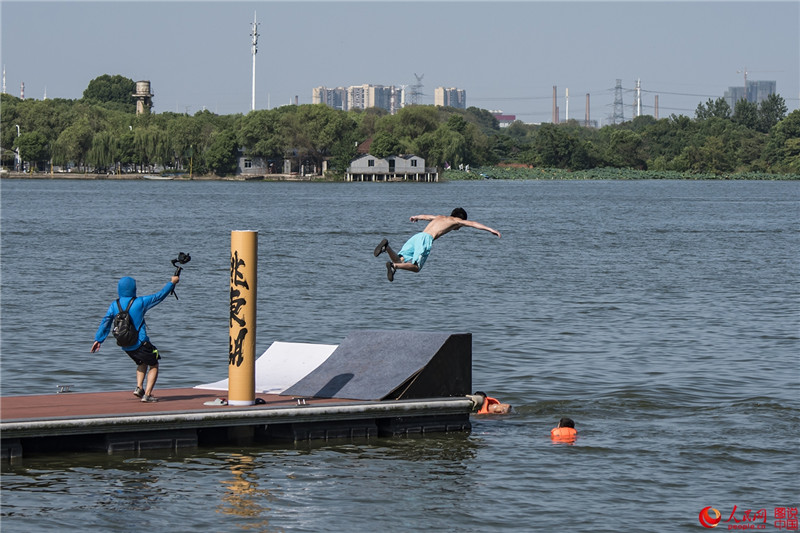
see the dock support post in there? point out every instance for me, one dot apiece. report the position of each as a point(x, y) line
point(242, 339)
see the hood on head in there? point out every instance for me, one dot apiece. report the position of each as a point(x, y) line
point(127, 287)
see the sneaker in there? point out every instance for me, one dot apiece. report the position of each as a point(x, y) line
point(381, 247)
point(138, 392)
point(390, 270)
point(149, 399)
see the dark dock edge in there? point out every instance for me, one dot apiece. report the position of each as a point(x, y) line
point(241, 426)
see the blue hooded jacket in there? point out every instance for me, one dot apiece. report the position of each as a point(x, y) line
point(126, 288)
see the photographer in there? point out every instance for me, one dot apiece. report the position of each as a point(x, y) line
point(143, 353)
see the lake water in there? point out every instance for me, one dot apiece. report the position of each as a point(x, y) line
point(662, 316)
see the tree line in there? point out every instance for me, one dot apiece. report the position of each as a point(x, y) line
point(101, 132)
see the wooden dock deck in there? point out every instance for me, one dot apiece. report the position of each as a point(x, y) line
point(118, 421)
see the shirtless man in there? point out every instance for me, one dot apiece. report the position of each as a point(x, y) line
point(416, 250)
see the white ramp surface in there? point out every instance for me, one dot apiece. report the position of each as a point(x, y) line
point(282, 365)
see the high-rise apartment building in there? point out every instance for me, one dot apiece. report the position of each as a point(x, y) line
point(451, 97)
point(364, 96)
point(756, 92)
point(335, 98)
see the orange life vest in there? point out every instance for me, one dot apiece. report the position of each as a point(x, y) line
point(484, 410)
point(563, 434)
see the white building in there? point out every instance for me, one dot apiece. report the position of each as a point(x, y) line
point(450, 97)
point(393, 168)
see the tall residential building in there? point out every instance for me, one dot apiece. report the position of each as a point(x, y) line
point(364, 96)
point(757, 92)
point(335, 98)
point(451, 97)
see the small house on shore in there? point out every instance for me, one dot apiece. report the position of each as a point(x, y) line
point(367, 167)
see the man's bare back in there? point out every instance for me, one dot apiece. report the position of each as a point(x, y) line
point(441, 224)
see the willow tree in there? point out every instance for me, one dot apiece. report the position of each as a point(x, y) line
point(104, 152)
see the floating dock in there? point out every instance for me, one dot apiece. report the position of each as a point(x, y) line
point(374, 384)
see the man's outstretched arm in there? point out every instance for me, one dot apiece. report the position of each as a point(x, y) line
point(422, 217)
point(478, 225)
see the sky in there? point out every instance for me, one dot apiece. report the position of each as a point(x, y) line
point(506, 55)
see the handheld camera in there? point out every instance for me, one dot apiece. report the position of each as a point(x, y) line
point(182, 259)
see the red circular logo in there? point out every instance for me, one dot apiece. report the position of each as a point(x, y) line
point(708, 518)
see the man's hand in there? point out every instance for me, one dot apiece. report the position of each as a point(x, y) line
point(95, 346)
point(175, 279)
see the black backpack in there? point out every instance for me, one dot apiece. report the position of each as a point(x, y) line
point(122, 328)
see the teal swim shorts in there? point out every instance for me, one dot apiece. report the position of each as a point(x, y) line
point(417, 248)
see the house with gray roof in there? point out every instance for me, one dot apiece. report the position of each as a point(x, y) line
point(407, 167)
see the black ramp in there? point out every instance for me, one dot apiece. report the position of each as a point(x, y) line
point(380, 365)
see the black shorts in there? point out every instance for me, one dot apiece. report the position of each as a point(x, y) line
point(146, 354)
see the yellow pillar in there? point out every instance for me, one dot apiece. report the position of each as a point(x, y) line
point(242, 339)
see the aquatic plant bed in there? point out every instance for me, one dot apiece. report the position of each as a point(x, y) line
point(521, 173)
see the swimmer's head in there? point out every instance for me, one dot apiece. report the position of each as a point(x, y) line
point(459, 212)
point(566, 423)
point(482, 395)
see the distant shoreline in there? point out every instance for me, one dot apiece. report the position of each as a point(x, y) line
point(141, 177)
point(482, 173)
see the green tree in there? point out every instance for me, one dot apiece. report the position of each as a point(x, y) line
point(625, 149)
point(713, 108)
point(557, 146)
point(315, 129)
point(221, 156)
point(386, 144)
point(410, 123)
point(73, 144)
point(746, 114)
point(261, 133)
point(33, 147)
point(115, 91)
point(151, 146)
point(770, 112)
point(183, 132)
point(104, 153)
point(781, 152)
point(367, 120)
point(483, 119)
point(441, 146)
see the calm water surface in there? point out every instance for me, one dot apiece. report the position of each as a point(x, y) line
point(662, 316)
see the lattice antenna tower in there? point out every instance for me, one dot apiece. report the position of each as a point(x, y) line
point(619, 112)
point(416, 90)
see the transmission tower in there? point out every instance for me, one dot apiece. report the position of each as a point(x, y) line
point(619, 113)
point(416, 90)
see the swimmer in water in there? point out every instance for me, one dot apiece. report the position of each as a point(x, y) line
point(564, 431)
point(492, 406)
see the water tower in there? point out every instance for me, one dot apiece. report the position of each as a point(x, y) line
point(144, 98)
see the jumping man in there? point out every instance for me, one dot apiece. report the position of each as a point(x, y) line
point(416, 250)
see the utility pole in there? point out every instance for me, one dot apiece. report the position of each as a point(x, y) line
point(254, 35)
point(638, 98)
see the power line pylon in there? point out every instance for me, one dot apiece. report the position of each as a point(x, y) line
point(619, 112)
point(416, 90)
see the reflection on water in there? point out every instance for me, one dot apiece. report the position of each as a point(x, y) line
point(243, 497)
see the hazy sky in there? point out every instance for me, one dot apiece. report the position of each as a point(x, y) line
point(506, 55)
